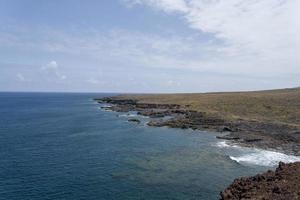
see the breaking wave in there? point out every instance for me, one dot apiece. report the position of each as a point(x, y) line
point(128, 115)
point(257, 156)
point(265, 158)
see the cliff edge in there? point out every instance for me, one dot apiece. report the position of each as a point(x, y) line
point(283, 184)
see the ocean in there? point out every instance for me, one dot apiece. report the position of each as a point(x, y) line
point(63, 146)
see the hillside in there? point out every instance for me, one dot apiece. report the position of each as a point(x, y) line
point(281, 105)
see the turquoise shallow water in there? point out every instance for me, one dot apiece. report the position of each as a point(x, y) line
point(62, 146)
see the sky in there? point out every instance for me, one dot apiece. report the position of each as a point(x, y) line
point(149, 46)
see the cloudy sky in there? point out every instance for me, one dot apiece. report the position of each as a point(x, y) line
point(149, 45)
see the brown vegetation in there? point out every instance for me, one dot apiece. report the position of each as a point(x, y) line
point(270, 106)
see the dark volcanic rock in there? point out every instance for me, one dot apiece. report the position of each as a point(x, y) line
point(253, 140)
point(297, 132)
point(134, 120)
point(159, 113)
point(156, 106)
point(116, 101)
point(191, 119)
point(122, 108)
point(154, 114)
point(283, 184)
point(225, 129)
point(228, 137)
point(251, 133)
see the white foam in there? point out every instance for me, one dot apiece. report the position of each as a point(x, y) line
point(128, 115)
point(106, 106)
point(254, 156)
point(264, 158)
point(222, 144)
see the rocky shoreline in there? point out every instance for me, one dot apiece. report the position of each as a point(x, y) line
point(265, 135)
point(283, 183)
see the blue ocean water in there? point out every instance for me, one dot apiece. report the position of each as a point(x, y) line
point(62, 146)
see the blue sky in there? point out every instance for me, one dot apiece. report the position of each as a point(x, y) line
point(149, 45)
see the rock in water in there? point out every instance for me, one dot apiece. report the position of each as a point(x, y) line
point(134, 120)
point(283, 183)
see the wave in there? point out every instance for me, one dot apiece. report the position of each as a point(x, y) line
point(265, 158)
point(106, 106)
point(128, 115)
point(224, 144)
point(255, 156)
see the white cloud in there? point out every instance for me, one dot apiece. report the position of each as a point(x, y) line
point(20, 77)
point(252, 41)
point(52, 68)
point(133, 48)
point(257, 35)
point(93, 81)
point(166, 5)
point(246, 38)
point(52, 65)
point(172, 83)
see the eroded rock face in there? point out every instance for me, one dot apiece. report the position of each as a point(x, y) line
point(283, 184)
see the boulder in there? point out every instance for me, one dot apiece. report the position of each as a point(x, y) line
point(134, 120)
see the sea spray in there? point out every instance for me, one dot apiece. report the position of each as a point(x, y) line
point(255, 156)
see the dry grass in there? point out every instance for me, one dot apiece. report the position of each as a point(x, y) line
point(272, 105)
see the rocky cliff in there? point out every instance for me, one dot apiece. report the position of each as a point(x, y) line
point(283, 184)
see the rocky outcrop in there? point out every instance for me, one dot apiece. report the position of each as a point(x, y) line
point(154, 113)
point(134, 120)
point(193, 120)
point(116, 101)
point(125, 105)
point(156, 106)
point(281, 184)
point(228, 137)
point(265, 135)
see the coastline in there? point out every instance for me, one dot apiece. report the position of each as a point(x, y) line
point(275, 139)
point(279, 137)
point(283, 183)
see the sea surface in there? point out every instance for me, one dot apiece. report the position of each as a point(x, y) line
point(63, 146)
